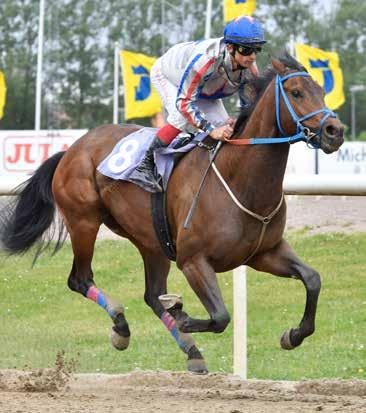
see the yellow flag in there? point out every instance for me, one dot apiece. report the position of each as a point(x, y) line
point(141, 99)
point(235, 8)
point(324, 68)
point(2, 94)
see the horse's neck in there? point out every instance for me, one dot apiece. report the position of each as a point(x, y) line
point(256, 172)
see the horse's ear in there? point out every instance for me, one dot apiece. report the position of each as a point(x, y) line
point(279, 67)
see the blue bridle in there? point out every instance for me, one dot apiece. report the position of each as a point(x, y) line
point(302, 132)
point(300, 128)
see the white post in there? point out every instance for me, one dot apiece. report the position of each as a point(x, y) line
point(353, 115)
point(208, 19)
point(184, 32)
point(116, 84)
point(162, 26)
point(37, 120)
point(291, 45)
point(353, 89)
point(240, 321)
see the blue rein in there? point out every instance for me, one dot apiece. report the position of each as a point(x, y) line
point(302, 132)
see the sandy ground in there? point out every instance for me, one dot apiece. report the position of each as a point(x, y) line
point(327, 213)
point(60, 392)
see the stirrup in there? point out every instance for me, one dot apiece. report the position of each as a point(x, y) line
point(146, 179)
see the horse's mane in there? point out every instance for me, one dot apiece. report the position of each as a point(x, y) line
point(259, 85)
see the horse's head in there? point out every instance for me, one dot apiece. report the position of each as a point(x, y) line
point(300, 107)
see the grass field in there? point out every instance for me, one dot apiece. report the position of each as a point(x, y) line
point(40, 316)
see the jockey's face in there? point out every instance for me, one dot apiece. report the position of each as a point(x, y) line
point(240, 61)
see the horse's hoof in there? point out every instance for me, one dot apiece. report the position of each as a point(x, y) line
point(197, 366)
point(286, 341)
point(119, 342)
point(170, 300)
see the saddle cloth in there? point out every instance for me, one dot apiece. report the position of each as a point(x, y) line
point(129, 152)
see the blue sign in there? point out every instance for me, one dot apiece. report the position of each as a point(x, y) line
point(143, 90)
point(327, 73)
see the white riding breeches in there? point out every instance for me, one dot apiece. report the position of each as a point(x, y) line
point(213, 110)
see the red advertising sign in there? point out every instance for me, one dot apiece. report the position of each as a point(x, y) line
point(23, 151)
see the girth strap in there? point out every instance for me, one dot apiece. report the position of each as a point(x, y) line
point(264, 220)
point(161, 224)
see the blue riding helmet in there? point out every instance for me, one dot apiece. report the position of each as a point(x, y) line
point(244, 30)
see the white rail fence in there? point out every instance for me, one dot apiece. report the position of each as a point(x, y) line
point(353, 185)
point(9, 183)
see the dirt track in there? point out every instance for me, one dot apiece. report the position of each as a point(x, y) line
point(58, 392)
point(327, 213)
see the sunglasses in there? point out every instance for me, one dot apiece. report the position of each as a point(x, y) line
point(248, 50)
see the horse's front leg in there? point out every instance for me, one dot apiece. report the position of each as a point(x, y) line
point(202, 278)
point(282, 261)
point(156, 273)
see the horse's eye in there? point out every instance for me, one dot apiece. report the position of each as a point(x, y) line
point(295, 93)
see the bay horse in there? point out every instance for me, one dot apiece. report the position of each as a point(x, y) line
point(240, 217)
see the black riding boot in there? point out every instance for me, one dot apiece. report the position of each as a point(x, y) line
point(145, 172)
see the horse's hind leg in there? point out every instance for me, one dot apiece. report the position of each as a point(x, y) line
point(156, 273)
point(282, 261)
point(83, 231)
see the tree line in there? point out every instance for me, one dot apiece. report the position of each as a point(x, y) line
point(79, 40)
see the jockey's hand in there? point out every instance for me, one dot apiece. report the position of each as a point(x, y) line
point(222, 133)
point(230, 122)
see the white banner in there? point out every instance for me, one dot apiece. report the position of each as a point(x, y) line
point(24, 151)
point(348, 160)
point(301, 159)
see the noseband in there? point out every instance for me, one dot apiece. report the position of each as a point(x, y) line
point(303, 133)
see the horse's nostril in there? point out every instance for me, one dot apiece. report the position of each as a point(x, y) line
point(331, 130)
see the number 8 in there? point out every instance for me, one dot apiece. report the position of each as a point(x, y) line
point(124, 157)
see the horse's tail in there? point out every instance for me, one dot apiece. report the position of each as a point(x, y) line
point(24, 220)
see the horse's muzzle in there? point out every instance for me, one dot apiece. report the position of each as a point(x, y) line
point(332, 135)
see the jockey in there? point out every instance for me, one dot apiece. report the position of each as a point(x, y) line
point(193, 77)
